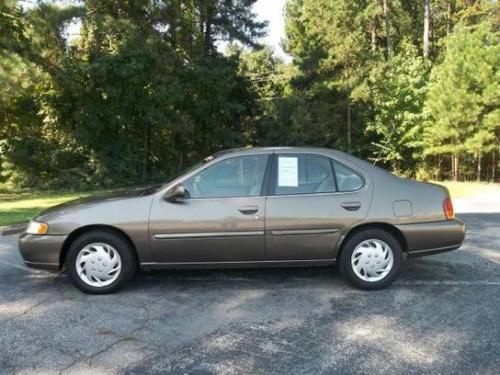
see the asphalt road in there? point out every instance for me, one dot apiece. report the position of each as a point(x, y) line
point(441, 316)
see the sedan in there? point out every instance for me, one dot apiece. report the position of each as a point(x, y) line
point(253, 207)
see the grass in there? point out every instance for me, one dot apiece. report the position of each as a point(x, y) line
point(460, 189)
point(21, 207)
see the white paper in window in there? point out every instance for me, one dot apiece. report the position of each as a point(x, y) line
point(288, 173)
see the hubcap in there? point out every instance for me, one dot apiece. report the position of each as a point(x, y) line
point(98, 264)
point(372, 260)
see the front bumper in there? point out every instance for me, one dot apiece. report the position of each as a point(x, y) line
point(41, 251)
point(431, 238)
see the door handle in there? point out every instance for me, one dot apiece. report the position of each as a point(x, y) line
point(248, 210)
point(351, 206)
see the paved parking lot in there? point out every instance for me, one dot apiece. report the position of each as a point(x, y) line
point(441, 316)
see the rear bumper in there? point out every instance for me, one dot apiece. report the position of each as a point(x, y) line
point(431, 238)
point(41, 251)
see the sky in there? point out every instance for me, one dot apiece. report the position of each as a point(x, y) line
point(266, 10)
point(272, 11)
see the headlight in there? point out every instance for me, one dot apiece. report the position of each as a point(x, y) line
point(35, 227)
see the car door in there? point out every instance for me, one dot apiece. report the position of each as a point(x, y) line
point(312, 199)
point(221, 220)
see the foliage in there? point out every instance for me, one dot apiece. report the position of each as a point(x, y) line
point(145, 89)
point(140, 93)
point(397, 98)
point(463, 102)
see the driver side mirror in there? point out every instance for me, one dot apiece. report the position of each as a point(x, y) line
point(177, 194)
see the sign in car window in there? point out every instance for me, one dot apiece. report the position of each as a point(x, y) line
point(288, 172)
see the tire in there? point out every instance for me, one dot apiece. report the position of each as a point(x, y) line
point(97, 255)
point(377, 261)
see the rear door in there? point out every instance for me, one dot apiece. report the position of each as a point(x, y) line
point(312, 199)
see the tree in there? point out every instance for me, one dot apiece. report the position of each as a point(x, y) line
point(462, 104)
point(142, 84)
point(144, 89)
point(398, 91)
point(331, 43)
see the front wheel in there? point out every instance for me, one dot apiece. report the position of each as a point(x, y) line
point(371, 259)
point(100, 262)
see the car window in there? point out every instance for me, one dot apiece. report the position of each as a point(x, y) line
point(303, 174)
point(241, 176)
point(347, 179)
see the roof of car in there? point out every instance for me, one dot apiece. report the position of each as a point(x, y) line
point(323, 150)
point(274, 148)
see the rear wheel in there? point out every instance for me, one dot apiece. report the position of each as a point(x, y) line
point(371, 259)
point(100, 262)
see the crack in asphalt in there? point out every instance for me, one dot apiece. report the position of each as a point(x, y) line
point(27, 311)
point(121, 338)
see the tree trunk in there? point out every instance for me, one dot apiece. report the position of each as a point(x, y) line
point(455, 162)
point(145, 155)
point(387, 15)
point(493, 165)
point(209, 14)
point(452, 166)
point(427, 16)
point(438, 172)
point(208, 37)
point(172, 12)
point(448, 22)
point(349, 126)
point(373, 29)
point(479, 165)
point(180, 167)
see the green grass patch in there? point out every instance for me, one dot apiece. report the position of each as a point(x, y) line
point(22, 206)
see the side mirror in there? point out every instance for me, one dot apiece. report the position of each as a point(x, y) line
point(176, 194)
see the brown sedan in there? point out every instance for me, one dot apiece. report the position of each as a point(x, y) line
point(257, 207)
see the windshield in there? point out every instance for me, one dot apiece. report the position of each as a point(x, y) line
point(196, 165)
point(188, 169)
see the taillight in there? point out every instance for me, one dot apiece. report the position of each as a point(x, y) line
point(448, 208)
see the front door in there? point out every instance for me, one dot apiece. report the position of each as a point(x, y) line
point(220, 220)
point(313, 198)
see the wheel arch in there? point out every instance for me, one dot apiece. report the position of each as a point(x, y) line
point(94, 227)
point(393, 230)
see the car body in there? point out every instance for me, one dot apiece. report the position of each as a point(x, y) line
point(255, 207)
